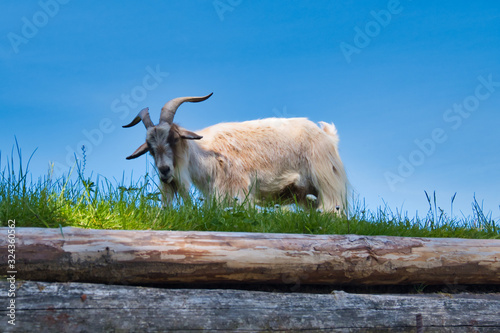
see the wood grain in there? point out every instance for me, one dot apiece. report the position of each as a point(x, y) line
point(169, 257)
point(81, 307)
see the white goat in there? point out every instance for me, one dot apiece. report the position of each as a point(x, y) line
point(258, 160)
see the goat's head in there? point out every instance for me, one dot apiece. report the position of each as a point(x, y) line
point(165, 140)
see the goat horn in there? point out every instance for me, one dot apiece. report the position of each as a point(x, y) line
point(169, 109)
point(144, 116)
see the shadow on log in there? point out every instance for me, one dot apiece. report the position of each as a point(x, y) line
point(170, 257)
point(81, 307)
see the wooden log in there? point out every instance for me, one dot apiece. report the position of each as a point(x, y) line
point(166, 257)
point(81, 307)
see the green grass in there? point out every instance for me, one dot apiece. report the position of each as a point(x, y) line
point(92, 202)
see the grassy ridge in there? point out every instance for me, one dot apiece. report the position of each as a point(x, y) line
point(79, 201)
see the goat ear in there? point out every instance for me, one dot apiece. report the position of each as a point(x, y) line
point(187, 135)
point(143, 149)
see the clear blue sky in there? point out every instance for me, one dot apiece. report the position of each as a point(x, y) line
point(412, 86)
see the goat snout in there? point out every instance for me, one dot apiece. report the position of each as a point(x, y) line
point(165, 174)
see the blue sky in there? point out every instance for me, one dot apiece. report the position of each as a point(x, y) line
point(412, 86)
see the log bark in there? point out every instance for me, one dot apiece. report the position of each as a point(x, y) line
point(168, 257)
point(80, 307)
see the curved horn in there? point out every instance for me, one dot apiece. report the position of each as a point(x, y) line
point(169, 109)
point(144, 116)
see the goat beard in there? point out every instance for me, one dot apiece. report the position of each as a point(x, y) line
point(171, 183)
point(165, 180)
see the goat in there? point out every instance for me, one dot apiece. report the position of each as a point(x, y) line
point(274, 158)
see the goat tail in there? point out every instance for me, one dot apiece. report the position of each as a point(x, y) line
point(329, 175)
point(331, 130)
